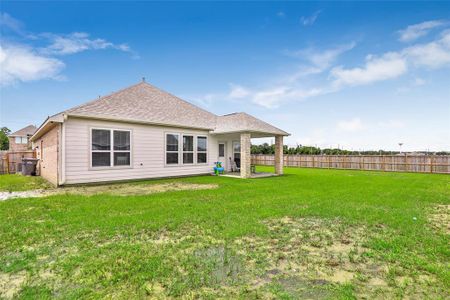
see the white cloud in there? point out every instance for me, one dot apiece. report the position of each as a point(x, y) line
point(323, 59)
point(281, 14)
point(19, 63)
point(388, 66)
point(78, 42)
point(416, 31)
point(289, 88)
point(6, 21)
point(318, 60)
point(273, 97)
point(392, 124)
point(434, 55)
point(237, 92)
point(308, 21)
point(352, 125)
point(419, 81)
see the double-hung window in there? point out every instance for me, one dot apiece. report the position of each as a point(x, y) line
point(172, 148)
point(188, 149)
point(202, 148)
point(21, 140)
point(110, 148)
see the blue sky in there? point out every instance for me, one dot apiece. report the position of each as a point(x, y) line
point(361, 75)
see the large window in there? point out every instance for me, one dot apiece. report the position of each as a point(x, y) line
point(188, 149)
point(202, 147)
point(172, 148)
point(110, 148)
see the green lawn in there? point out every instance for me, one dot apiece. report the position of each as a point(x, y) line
point(16, 182)
point(321, 234)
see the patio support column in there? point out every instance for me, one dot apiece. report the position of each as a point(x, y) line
point(245, 155)
point(279, 158)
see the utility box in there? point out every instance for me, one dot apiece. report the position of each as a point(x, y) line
point(29, 166)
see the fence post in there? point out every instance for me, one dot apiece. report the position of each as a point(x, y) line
point(7, 163)
point(431, 164)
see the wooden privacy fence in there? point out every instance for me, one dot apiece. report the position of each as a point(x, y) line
point(392, 163)
point(10, 161)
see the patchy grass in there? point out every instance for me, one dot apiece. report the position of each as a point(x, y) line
point(17, 182)
point(309, 234)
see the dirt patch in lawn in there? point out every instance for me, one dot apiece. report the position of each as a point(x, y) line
point(299, 258)
point(439, 218)
point(113, 189)
point(312, 257)
point(10, 284)
point(136, 189)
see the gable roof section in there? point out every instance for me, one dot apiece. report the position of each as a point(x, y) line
point(145, 103)
point(26, 131)
point(242, 122)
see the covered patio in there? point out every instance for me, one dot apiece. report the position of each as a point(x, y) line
point(234, 144)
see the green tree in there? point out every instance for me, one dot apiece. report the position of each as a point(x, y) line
point(4, 141)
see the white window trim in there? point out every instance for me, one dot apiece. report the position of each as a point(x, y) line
point(111, 151)
point(193, 149)
point(196, 150)
point(179, 148)
point(21, 140)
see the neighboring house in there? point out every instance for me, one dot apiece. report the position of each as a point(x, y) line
point(144, 132)
point(19, 140)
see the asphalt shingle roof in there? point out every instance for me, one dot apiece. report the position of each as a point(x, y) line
point(145, 103)
point(238, 122)
point(26, 131)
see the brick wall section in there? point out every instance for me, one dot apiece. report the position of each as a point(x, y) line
point(17, 147)
point(245, 155)
point(279, 154)
point(47, 153)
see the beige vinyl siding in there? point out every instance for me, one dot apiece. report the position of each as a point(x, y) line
point(147, 155)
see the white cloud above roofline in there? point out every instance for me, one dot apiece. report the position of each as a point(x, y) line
point(413, 32)
point(19, 63)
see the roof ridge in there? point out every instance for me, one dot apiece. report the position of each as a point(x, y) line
point(102, 97)
point(18, 132)
point(191, 104)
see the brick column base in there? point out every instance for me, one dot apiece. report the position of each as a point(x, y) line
point(279, 157)
point(245, 155)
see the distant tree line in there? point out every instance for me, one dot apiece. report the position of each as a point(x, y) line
point(299, 149)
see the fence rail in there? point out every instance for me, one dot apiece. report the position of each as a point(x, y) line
point(388, 163)
point(10, 161)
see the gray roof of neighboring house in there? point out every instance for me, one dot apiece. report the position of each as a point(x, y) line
point(26, 131)
point(145, 103)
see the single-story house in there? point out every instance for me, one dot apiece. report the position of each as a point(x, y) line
point(19, 140)
point(143, 132)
